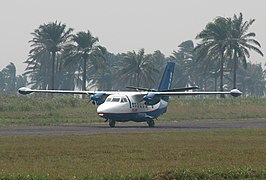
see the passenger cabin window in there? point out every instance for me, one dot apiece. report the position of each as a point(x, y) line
point(123, 100)
point(115, 99)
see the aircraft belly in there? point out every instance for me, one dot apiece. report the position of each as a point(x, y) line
point(137, 117)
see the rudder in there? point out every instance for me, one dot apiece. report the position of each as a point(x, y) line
point(167, 77)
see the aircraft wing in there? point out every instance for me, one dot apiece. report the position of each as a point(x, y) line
point(24, 91)
point(233, 92)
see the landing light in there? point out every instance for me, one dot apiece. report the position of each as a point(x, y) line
point(101, 114)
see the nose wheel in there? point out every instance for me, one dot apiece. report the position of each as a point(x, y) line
point(111, 123)
point(151, 123)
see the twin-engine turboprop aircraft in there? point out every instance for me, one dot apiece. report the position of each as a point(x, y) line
point(142, 105)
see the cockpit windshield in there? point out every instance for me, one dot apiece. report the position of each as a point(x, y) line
point(108, 100)
point(116, 99)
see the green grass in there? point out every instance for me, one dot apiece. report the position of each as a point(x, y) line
point(220, 154)
point(230, 154)
point(39, 110)
point(209, 173)
point(25, 110)
point(229, 108)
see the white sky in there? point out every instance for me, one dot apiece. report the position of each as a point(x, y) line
point(122, 25)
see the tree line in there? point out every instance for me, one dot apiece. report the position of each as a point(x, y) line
point(9, 81)
point(59, 59)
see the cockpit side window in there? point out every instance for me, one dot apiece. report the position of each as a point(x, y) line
point(115, 99)
point(123, 100)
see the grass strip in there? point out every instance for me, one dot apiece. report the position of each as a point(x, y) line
point(39, 110)
point(221, 153)
point(211, 173)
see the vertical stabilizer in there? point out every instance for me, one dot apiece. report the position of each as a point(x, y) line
point(167, 77)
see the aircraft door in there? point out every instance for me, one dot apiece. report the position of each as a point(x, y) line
point(129, 102)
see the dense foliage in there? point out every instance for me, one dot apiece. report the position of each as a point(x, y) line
point(227, 40)
point(9, 81)
point(60, 59)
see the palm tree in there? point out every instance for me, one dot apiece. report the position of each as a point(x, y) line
point(227, 39)
point(2, 81)
point(49, 38)
point(214, 44)
point(9, 75)
point(86, 48)
point(39, 70)
point(9, 82)
point(186, 66)
point(137, 69)
point(21, 81)
point(252, 80)
point(242, 42)
point(104, 78)
point(159, 61)
point(10, 72)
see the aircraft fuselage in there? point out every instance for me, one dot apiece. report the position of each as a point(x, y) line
point(130, 107)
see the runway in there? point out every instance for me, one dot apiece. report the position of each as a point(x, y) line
point(130, 127)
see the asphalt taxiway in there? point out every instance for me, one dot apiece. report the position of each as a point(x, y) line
point(130, 127)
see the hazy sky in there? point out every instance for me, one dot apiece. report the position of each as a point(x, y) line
point(122, 25)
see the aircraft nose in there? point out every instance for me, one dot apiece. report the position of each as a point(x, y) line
point(102, 109)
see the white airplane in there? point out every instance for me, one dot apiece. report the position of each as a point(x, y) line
point(141, 105)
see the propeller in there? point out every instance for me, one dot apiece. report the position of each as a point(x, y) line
point(97, 98)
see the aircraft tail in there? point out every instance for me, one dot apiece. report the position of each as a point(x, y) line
point(167, 77)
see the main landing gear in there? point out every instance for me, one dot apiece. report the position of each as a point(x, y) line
point(151, 123)
point(111, 123)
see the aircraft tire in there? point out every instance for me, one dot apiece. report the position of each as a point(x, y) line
point(151, 123)
point(112, 123)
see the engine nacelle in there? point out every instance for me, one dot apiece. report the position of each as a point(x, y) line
point(151, 99)
point(98, 98)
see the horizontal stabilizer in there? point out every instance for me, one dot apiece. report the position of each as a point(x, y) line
point(167, 90)
point(181, 89)
point(141, 89)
